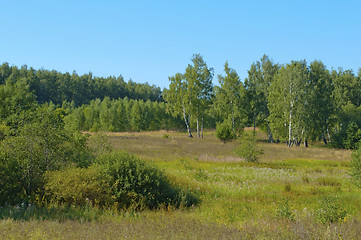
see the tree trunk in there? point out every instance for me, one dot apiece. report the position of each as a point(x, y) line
point(290, 129)
point(202, 128)
point(290, 123)
point(306, 143)
point(270, 137)
point(328, 135)
point(254, 123)
point(198, 133)
point(187, 123)
point(324, 138)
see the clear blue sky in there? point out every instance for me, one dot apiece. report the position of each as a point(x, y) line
point(151, 40)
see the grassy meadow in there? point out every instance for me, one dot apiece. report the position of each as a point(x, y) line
point(292, 193)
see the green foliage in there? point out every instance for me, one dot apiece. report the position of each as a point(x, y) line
point(137, 120)
point(284, 211)
point(77, 186)
point(319, 97)
point(347, 137)
point(11, 189)
point(260, 77)
point(121, 115)
point(229, 101)
point(356, 165)
point(330, 211)
point(38, 145)
point(287, 102)
point(137, 184)
point(166, 136)
point(99, 144)
point(328, 181)
point(248, 149)
point(190, 93)
point(56, 87)
point(224, 132)
point(4, 131)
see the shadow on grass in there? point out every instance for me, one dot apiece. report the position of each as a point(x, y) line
point(86, 213)
point(61, 213)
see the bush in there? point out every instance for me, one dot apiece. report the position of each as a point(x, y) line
point(78, 186)
point(330, 211)
point(137, 184)
point(248, 149)
point(224, 132)
point(38, 145)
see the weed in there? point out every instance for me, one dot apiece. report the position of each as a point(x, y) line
point(166, 136)
point(288, 187)
point(248, 149)
point(327, 181)
point(330, 211)
point(186, 164)
point(201, 175)
point(284, 211)
point(305, 179)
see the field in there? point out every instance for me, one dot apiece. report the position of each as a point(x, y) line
point(292, 193)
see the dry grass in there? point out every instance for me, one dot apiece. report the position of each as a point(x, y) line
point(150, 226)
point(153, 146)
point(172, 226)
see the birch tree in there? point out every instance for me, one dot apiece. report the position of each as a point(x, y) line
point(178, 99)
point(287, 102)
point(190, 93)
point(199, 89)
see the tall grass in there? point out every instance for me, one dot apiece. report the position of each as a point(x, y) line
point(239, 200)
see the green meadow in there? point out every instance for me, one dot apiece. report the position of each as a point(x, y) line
point(291, 193)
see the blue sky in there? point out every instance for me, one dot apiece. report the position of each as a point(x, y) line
point(148, 41)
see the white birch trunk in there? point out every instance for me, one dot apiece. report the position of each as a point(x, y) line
point(270, 137)
point(290, 126)
point(187, 122)
point(198, 133)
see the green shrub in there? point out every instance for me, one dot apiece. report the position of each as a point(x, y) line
point(78, 186)
point(330, 211)
point(137, 184)
point(284, 211)
point(166, 136)
point(248, 149)
point(224, 132)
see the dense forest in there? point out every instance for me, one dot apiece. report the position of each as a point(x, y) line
point(56, 87)
point(294, 103)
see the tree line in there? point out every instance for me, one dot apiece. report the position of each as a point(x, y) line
point(294, 102)
point(57, 87)
point(121, 115)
